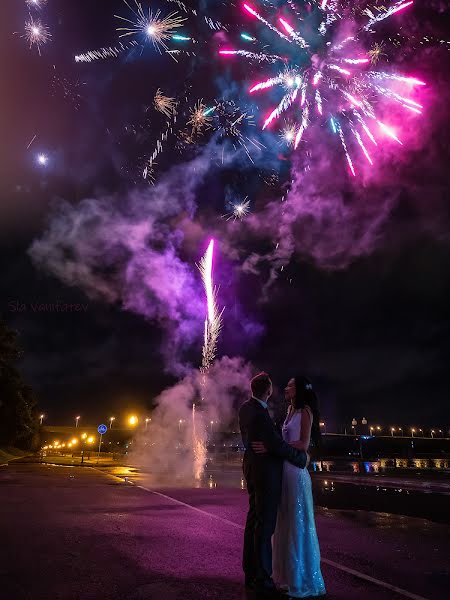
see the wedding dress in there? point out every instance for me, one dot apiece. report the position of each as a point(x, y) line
point(296, 552)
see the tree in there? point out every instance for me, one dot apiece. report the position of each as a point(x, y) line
point(18, 407)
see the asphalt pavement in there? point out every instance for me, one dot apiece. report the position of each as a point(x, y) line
point(70, 533)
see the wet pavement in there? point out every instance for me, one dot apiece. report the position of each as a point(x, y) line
point(81, 533)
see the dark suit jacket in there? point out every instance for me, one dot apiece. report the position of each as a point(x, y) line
point(256, 425)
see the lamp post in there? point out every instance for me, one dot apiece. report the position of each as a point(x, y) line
point(432, 433)
point(413, 431)
point(354, 424)
point(111, 419)
point(41, 418)
point(76, 421)
point(324, 425)
point(147, 422)
point(392, 431)
point(371, 428)
point(401, 431)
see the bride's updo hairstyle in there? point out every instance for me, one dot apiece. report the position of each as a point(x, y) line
point(306, 396)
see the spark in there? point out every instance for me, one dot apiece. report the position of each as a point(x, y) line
point(150, 25)
point(36, 33)
point(42, 159)
point(199, 118)
point(239, 210)
point(213, 320)
point(288, 132)
point(165, 105)
point(37, 4)
point(376, 52)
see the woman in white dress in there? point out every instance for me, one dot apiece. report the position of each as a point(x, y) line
point(296, 552)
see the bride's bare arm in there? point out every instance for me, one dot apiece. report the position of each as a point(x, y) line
point(305, 430)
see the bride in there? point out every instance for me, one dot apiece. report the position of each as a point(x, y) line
point(296, 553)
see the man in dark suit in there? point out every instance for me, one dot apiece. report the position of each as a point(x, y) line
point(263, 474)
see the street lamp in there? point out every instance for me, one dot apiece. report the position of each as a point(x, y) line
point(401, 431)
point(41, 418)
point(133, 421)
point(324, 425)
point(354, 424)
point(76, 421)
point(440, 431)
point(413, 431)
point(432, 433)
point(371, 428)
point(421, 431)
point(111, 419)
point(392, 431)
point(147, 421)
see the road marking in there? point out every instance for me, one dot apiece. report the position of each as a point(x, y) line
point(326, 561)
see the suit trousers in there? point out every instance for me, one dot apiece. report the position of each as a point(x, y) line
point(264, 489)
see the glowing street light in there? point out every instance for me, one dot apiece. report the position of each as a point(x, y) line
point(76, 421)
point(83, 436)
point(371, 428)
point(147, 422)
point(392, 431)
point(401, 431)
point(133, 420)
point(74, 441)
point(111, 419)
point(41, 418)
point(324, 425)
point(90, 440)
point(432, 433)
point(413, 431)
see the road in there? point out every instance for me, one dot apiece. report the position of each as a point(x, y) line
point(72, 533)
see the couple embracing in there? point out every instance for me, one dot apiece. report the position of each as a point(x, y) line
point(280, 533)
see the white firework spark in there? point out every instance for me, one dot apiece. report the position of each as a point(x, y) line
point(36, 33)
point(153, 26)
point(36, 4)
point(240, 209)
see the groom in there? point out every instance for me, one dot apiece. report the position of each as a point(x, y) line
point(263, 473)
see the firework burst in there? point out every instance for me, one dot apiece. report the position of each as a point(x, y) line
point(324, 72)
point(36, 33)
point(153, 26)
point(165, 105)
point(200, 118)
point(239, 210)
point(36, 4)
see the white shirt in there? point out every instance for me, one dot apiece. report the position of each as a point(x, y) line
point(263, 404)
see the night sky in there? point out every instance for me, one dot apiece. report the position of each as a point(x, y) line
point(361, 304)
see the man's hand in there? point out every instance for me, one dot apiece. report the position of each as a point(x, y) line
point(259, 448)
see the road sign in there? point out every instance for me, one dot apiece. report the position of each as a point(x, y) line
point(102, 429)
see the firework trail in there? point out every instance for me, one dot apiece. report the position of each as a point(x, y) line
point(213, 320)
point(104, 53)
point(324, 75)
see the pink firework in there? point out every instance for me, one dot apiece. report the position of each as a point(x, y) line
point(325, 71)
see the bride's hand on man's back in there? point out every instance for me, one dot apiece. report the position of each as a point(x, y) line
point(258, 447)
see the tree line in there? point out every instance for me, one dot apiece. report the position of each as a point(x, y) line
point(18, 406)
